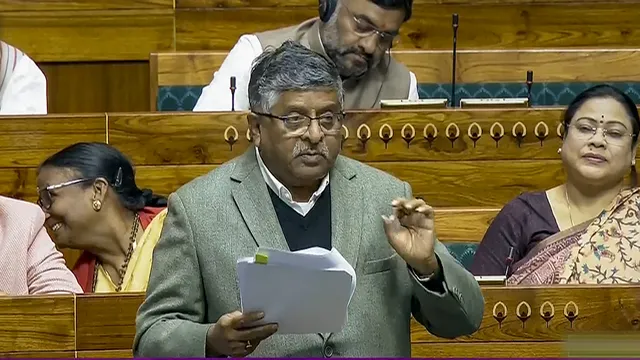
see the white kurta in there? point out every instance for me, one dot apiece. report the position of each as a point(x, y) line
point(217, 97)
point(23, 86)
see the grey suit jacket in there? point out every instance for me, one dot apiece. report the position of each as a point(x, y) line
point(228, 213)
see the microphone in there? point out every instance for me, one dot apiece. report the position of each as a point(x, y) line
point(509, 260)
point(232, 87)
point(454, 23)
point(529, 84)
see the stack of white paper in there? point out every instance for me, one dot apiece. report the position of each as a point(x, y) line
point(305, 292)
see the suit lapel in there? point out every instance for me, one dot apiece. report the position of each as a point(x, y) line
point(346, 214)
point(251, 195)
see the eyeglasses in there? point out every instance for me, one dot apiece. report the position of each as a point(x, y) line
point(585, 130)
point(364, 28)
point(330, 123)
point(44, 195)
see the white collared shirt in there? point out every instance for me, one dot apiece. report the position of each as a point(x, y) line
point(23, 86)
point(217, 97)
point(284, 194)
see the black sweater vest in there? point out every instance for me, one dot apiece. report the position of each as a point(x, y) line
point(303, 232)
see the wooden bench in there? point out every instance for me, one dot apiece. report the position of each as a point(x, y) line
point(109, 42)
point(521, 322)
point(498, 71)
point(464, 179)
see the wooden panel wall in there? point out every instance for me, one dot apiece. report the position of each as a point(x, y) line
point(95, 53)
point(101, 86)
point(484, 26)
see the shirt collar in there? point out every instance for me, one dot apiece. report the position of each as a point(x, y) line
point(281, 190)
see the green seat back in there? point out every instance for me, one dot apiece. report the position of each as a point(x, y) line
point(184, 98)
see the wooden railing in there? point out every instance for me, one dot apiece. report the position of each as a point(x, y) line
point(518, 322)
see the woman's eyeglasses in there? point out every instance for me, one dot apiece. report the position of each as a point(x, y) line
point(585, 130)
point(44, 195)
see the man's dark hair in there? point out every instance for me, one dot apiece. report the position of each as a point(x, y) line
point(406, 5)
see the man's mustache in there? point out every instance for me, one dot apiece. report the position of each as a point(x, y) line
point(303, 149)
point(367, 57)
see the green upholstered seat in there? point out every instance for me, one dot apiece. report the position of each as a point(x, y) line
point(184, 98)
point(463, 252)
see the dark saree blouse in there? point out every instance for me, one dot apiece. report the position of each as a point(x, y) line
point(522, 224)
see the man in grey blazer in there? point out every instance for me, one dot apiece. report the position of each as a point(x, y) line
point(293, 191)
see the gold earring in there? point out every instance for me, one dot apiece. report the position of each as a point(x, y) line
point(97, 205)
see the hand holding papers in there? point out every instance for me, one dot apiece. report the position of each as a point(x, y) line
point(304, 292)
point(235, 334)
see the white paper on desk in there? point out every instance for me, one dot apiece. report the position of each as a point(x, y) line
point(305, 292)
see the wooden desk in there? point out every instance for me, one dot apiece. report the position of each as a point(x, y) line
point(37, 326)
point(196, 68)
point(535, 322)
point(520, 322)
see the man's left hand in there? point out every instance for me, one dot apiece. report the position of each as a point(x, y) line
point(410, 231)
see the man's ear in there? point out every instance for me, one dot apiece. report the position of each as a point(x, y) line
point(254, 128)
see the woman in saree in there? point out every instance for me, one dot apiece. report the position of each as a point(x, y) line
point(587, 230)
point(92, 203)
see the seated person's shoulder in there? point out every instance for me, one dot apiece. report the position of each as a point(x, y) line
point(526, 203)
point(20, 210)
point(20, 60)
